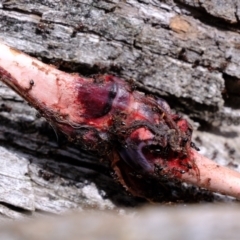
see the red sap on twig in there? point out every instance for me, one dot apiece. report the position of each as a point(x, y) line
point(139, 135)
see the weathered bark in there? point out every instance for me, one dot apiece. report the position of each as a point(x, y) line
point(185, 51)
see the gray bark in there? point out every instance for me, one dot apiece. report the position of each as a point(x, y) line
point(184, 51)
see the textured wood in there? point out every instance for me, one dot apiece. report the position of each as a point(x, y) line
point(170, 48)
point(185, 51)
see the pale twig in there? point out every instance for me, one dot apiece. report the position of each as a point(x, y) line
point(53, 91)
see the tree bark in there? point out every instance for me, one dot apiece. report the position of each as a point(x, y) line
point(184, 51)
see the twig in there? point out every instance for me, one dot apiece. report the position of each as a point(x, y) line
point(139, 134)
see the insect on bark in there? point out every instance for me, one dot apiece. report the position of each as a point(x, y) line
point(139, 135)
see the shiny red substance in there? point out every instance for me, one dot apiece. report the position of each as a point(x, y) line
point(143, 141)
point(139, 135)
point(148, 147)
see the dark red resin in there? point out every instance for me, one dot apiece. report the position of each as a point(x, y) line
point(142, 139)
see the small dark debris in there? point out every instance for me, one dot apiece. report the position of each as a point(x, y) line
point(47, 176)
point(230, 150)
point(5, 108)
point(215, 153)
point(31, 82)
point(232, 165)
point(193, 145)
point(38, 115)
